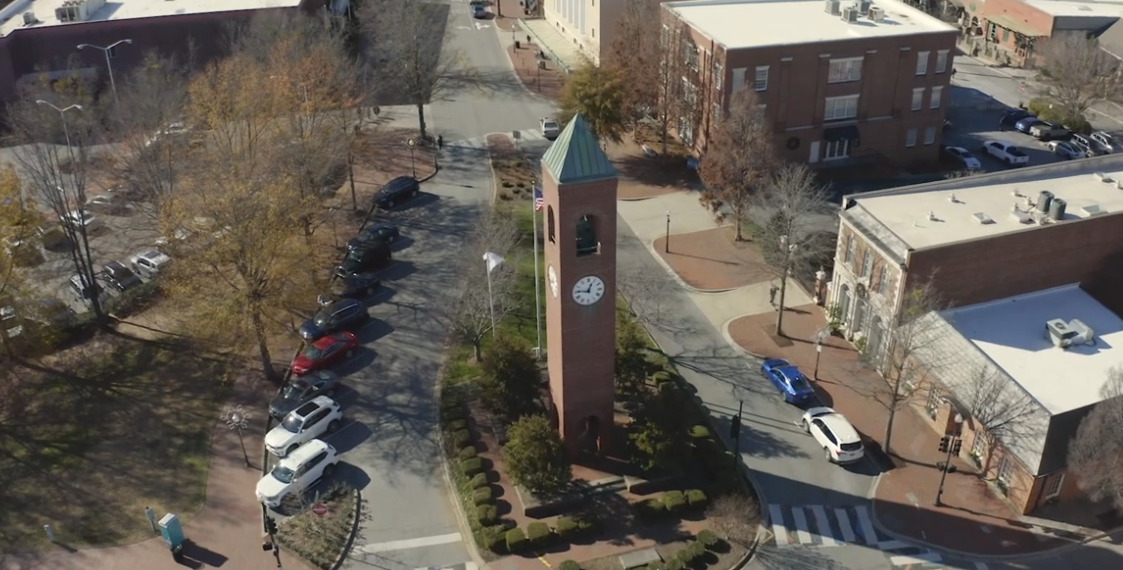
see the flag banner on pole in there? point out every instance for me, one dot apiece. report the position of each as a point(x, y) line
point(539, 201)
point(493, 260)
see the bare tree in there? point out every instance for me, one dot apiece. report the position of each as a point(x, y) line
point(471, 319)
point(412, 60)
point(789, 242)
point(673, 99)
point(999, 406)
point(1075, 73)
point(735, 517)
point(1095, 455)
point(637, 55)
point(740, 160)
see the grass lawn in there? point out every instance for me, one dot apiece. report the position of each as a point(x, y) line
point(92, 435)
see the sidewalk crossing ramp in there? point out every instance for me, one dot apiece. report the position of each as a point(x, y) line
point(820, 525)
point(526, 136)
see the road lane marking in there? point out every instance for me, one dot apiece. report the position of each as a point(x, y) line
point(892, 545)
point(411, 543)
point(778, 529)
point(801, 530)
point(844, 525)
point(824, 525)
point(918, 559)
point(864, 524)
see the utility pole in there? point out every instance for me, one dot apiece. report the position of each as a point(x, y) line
point(951, 444)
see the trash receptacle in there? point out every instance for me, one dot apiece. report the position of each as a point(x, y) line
point(517, 44)
point(172, 532)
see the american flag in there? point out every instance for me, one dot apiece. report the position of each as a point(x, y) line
point(538, 200)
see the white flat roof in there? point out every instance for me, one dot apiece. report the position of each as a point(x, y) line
point(1011, 333)
point(11, 17)
point(787, 22)
point(905, 211)
point(1085, 8)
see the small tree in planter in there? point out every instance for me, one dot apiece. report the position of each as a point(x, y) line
point(536, 458)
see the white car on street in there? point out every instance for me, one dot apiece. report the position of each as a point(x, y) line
point(963, 157)
point(298, 472)
point(550, 128)
point(149, 263)
point(839, 440)
point(317, 417)
point(82, 219)
point(1006, 152)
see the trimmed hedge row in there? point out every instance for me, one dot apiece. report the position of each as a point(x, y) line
point(671, 503)
point(689, 557)
point(539, 535)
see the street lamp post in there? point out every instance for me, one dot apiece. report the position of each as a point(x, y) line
point(237, 420)
point(818, 353)
point(108, 63)
point(412, 163)
point(65, 129)
point(667, 239)
point(951, 443)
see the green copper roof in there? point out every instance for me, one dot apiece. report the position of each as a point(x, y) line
point(576, 155)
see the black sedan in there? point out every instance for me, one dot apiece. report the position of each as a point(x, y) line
point(358, 287)
point(120, 277)
point(374, 233)
point(301, 390)
point(397, 191)
point(342, 315)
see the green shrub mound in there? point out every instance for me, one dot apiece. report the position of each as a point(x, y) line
point(471, 467)
point(697, 550)
point(566, 527)
point(492, 538)
point(487, 514)
point(650, 509)
point(654, 566)
point(482, 496)
point(516, 540)
point(674, 501)
point(700, 432)
point(468, 452)
point(708, 538)
point(539, 534)
point(569, 565)
point(1055, 113)
point(697, 499)
point(675, 563)
point(453, 414)
point(478, 481)
point(460, 438)
point(457, 425)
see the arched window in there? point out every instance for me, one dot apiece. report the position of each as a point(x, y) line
point(587, 243)
point(550, 224)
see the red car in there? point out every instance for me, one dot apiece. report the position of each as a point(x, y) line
point(324, 352)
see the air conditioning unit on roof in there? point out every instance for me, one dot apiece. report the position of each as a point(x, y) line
point(850, 15)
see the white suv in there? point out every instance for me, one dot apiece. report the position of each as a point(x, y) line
point(148, 263)
point(297, 472)
point(841, 442)
point(320, 415)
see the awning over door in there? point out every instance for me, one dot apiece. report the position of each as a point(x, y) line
point(847, 133)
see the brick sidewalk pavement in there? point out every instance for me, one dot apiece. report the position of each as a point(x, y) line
point(711, 261)
point(226, 533)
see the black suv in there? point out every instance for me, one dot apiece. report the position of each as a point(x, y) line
point(376, 256)
point(374, 233)
point(357, 287)
point(397, 191)
point(338, 316)
point(120, 277)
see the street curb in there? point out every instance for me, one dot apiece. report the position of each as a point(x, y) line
point(951, 552)
point(674, 274)
point(511, 64)
point(354, 532)
point(729, 338)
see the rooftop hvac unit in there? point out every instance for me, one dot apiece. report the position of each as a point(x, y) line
point(1072, 333)
point(877, 14)
point(1043, 200)
point(1057, 209)
point(850, 15)
point(1019, 216)
point(29, 19)
point(863, 6)
point(833, 7)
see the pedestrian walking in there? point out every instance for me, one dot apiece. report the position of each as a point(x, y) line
point(440, 142)
point(772, 295)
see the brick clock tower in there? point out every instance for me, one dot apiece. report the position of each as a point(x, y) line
point(579, 191)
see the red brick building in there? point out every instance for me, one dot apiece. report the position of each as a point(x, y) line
point(41, 36)
point(840, 81)
point(1009, 31)
point(997, 245)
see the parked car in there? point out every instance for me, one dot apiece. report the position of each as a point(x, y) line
point(1027, 123)
point(52, 311)
point(87, 292)
point(111, 202)
point(786, 377)
point(1010, 118)
point(1093, 147)
point(550, 128)
point(338, 316)
point(962, 157)
point(840, 441)
point(324, 352)
point(1069, 150)
point(149, 263)
point(375, 257)
point(297, 473)
point(78, 220)
point(374, 233)
point(308, 421)
point(120, 277)
point(357, 287)
point(478, 11)
point(1046, 131)
point(1006, 152)
point(1108, 144)
point(397, 191)
point(301, 390)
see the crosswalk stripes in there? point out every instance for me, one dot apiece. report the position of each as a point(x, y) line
point(476, 144)
point(816, 525)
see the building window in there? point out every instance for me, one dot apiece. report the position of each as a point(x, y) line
point(716, 114)
point(929, 135)
point(867, 263)
point(979, 446)
point(1053, 485)
point(933, 404)
point(917, 98)
point(934, 100)
point(1005, 35)
point(550, 224)
point(941, 61)
point(760, 80)
point(1005, 470)
point(719, 75)
point(835, 150)
point(689, 54)
point(910, 138)
point(883, 279)
point(689, 92)
point(843, 70)
point(738, 79)
point(839, 108)
point(922, 62)
point(992, 32)
point(849, 255)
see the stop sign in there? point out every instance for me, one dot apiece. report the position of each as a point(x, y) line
point(320, 509)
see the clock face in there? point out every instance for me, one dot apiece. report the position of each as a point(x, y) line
point(553, 278)
point(588, 290)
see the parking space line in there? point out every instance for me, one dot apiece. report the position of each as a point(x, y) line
point(411, 543)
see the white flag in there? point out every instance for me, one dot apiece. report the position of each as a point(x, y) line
point(493, 260)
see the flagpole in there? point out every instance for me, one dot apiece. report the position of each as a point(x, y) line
point(537, 279)
point(490, 298)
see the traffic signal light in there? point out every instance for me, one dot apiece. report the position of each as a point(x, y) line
point(956, 446)
point(270, 525)
point(945, 443)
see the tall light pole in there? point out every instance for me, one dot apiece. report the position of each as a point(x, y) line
point(108, 63)
point(65, 129)
point(951, 445)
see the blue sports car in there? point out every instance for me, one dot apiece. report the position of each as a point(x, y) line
point(787, 378)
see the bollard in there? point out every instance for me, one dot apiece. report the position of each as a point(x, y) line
point(50, 532)
point(516, 44)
